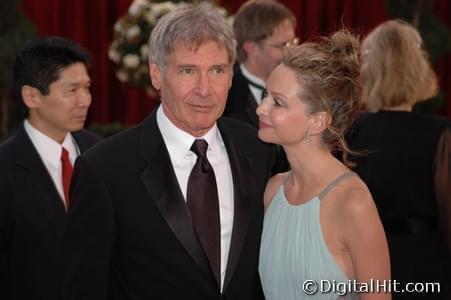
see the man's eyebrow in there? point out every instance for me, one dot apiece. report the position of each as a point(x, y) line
point(220, 66)
point(186, 66)
point(75, 83)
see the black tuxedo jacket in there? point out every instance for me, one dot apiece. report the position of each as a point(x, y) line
point(129, 233)
point(241, 104)
point(32, 217)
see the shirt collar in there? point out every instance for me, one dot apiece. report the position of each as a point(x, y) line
point(178, 142)
point(49, 149)
point(251, 76)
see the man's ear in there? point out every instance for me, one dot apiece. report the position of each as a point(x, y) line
point(320, 121)
point(249, 47)
point(30, 96)
point(155, 76)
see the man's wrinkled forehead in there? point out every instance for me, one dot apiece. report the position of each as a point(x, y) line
point(193, 46)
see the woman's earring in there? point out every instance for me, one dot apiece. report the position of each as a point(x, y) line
point(309, 136)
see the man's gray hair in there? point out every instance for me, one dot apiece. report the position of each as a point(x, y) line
point(190, 26)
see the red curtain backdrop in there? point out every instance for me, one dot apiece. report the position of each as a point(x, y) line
point(90, 23)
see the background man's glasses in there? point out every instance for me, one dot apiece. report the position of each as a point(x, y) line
point(293, 42)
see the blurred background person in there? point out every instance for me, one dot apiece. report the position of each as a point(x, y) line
point(51, 78)
point(408, 163)
point(320, 221)
point(263, 29)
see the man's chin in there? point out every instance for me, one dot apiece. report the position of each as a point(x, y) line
point(77, 127)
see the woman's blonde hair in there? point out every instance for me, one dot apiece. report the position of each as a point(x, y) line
point(328, 70)
point(395, 68)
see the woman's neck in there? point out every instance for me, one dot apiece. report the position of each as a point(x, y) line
point(312, 165)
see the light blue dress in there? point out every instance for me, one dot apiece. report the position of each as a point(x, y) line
point(293, 251)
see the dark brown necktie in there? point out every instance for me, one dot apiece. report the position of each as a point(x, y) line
point(203, 203)
point(66, 174)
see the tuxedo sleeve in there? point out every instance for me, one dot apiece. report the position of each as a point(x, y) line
point(89, 236)
point(5, 236)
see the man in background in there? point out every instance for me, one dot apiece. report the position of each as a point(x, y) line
point(263, 28)
point(51, 79)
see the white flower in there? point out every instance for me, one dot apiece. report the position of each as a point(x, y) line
point(137, 6)
point(133, 32)
point(129, 50)
point(222, 11)
point(144, 50)
point(163, 6)
point(230, 20)
point(131, 61)
point(118, 26)
point(122, 76)
point(150, 17)
point(113, 54)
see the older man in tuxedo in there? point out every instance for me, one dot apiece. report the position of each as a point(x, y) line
point(172, 209)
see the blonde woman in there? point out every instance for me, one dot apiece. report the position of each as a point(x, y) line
point(407, 168)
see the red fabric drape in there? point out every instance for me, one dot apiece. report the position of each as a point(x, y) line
point(90, 23)
point(443, 68)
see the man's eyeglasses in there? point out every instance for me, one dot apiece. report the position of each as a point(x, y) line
point(295, 41)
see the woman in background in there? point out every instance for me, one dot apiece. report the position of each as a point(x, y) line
point(320, 221)
point(408, 162)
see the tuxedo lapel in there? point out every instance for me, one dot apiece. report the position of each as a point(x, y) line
point(251, 109)
point(162, 185)
point(82, 143)
point(242, 186)
point(250, 104)
point(38, 183)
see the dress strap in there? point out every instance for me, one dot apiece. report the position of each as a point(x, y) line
point(334, 183)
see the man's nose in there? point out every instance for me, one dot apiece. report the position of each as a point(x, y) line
point(204, 85)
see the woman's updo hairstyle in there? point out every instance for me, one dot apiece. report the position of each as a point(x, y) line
point(328, 70)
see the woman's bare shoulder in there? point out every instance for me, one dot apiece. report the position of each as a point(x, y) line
point(354, 207)
point(273, 186)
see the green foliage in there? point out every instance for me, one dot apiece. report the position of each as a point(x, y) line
point(15, 30)
point(107, 129)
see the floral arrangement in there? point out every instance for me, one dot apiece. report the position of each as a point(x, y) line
point(129, 49)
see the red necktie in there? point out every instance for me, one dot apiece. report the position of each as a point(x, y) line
point(203, 203)
point(66, 174)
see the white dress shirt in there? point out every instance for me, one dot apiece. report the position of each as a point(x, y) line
point(178, 143)
point(256, 92)
point(50, 152)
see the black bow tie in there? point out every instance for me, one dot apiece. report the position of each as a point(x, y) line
point(256, 85)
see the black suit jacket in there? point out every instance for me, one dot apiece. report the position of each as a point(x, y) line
point(241, 104)
point(32, 217)
point(129, 234)
point(399, 170)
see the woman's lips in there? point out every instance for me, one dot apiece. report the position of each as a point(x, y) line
point(263, 125)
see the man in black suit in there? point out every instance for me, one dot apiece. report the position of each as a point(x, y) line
point(135, 229)
point(51, 79)
point(263, 28)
